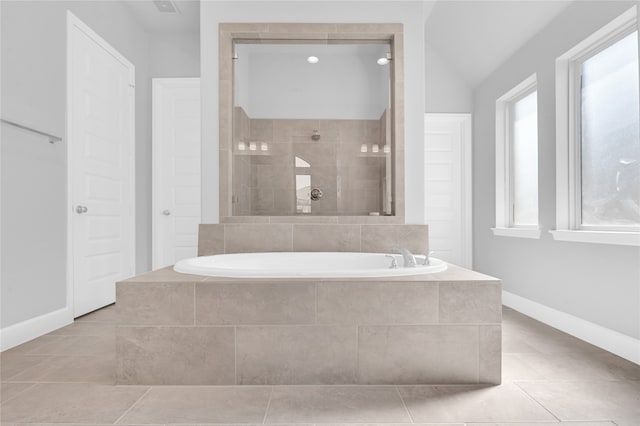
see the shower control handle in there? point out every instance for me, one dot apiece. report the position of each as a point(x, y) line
point(316, 194)
point(81, 209)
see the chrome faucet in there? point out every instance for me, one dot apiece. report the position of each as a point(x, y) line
point(427, 258)
point(409, 260)
point(394, 264)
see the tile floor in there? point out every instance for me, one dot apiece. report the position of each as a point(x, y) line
point(548, 377)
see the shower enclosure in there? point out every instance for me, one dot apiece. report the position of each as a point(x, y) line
point(312, 129)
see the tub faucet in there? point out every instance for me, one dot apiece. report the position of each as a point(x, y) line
point(427, 259)
point(409, 260)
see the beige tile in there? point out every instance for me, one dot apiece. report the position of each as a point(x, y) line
point(505, 403)
point(514, 367)
point(545, 424)
point(78, 345)
point(296, 355)
point(380, 238)
point(103, 315)
point(587, 400)
point(70, 403)
point(377, 303)
point(287, 130)
point(258, 238)
point(417, 354)
point(245, 219)
point(255, 303)
point(12, 363)
point(210, 239)
point(11, 390)
point(225, 113)
point(342, 238)
point(330, 404)
point(262, 130)
point(369, 220)
point(195, 405)
point(490, 354)
point(580, 366)
point(84, 369)
point(85, 328)
point(155, 303)
point(536, 337)
point(162, 275)
point(28, 347)
point(470, 302)
point(175, 355)
point(304, 219)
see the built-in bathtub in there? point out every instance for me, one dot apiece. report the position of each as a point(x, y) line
point(307, 265)
point(429, 328)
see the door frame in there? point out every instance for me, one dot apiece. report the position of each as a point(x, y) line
point(74, 22)
point(464, 121)
point(158, 85)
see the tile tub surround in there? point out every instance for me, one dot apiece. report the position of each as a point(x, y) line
point(441, 328)
point(310, 236)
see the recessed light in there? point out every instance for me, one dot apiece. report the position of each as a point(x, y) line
point(313, 59)
point(382, 61)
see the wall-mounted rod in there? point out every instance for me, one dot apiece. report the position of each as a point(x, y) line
point(52, 138)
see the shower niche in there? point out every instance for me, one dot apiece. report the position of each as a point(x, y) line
point(313, 121)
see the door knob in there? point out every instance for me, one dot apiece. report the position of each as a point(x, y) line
point(81, 209)
point(166, 213)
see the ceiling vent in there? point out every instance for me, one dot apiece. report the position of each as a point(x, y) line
point(166, 6)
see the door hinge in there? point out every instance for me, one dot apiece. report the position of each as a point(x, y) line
point(133, 86)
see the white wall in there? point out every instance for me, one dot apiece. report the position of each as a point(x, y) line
point(445, 90)
point(174, 55)
point(346, 83)
point(34, 187)
point(409, 13)
point(594, 282)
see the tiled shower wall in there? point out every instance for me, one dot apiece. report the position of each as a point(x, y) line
point(353, 183)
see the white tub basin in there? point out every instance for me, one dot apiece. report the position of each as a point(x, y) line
point(304, 264)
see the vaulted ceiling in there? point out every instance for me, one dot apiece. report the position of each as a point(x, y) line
point(473, 36)
point(476, 37)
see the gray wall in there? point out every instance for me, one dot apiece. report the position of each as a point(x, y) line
point(596, 282)
point(409, 13)
point(34, 92)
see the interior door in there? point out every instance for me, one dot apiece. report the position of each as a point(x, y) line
point(176, 169)
point(447, 174)
point(100, 84)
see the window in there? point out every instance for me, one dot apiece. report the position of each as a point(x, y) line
point(517, 161)
point(598, 137)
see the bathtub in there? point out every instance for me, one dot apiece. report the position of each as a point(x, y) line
point(304, 264)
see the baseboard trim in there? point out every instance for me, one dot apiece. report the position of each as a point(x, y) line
point(610, 340)
point(24, 331)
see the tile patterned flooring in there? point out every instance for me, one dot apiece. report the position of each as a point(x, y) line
point(67, 377)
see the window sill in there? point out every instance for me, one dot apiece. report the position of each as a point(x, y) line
point(597, 237)
point(533, 233)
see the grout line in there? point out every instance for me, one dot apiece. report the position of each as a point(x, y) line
point(132, 406)
point(19, 393)
point(404, 405)
point(235, 355)
point(266, 411)
point(194, 304)
point(315, 314)
point(535, 400)
point(357, 352)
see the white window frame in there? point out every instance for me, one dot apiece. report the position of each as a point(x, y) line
point(504, 163)
point(568, 163)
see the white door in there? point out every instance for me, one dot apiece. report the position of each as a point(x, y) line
point(447, 174)
point(176, 169)
point(100, 129)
